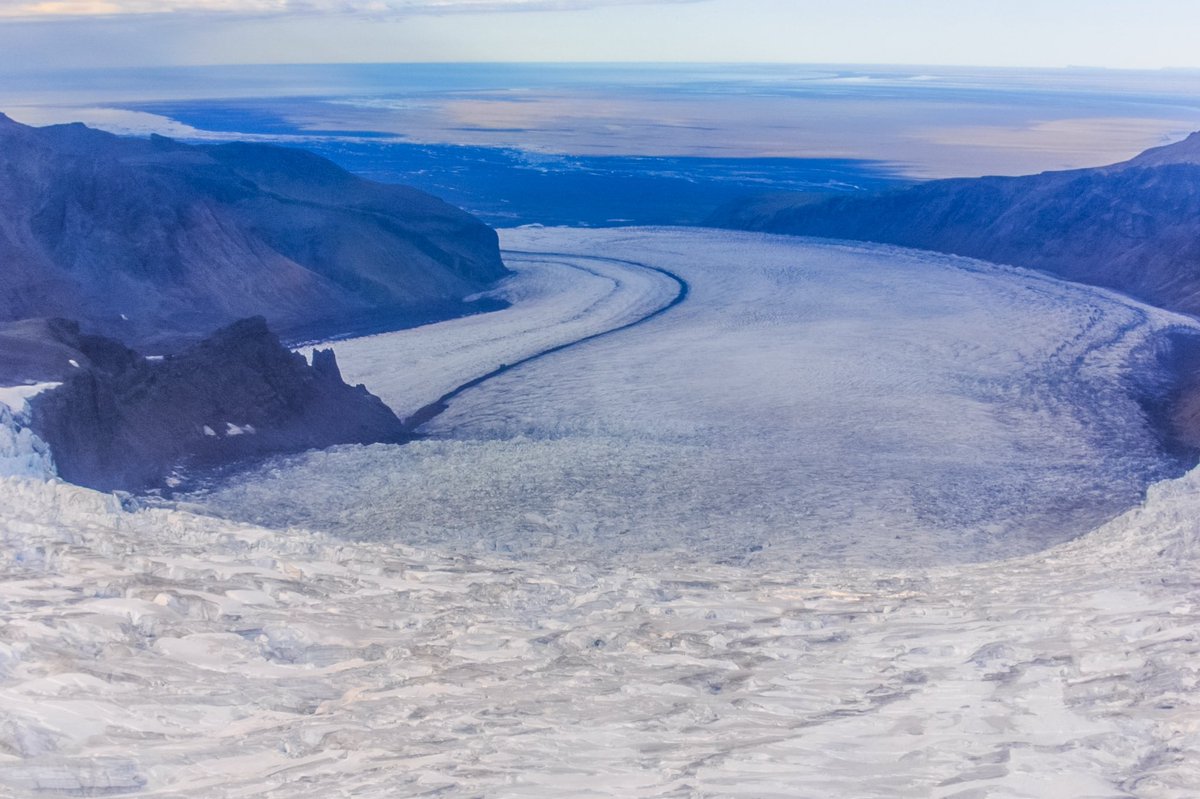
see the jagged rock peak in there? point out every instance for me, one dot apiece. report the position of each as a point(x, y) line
point(324, 363)
point(238, 394)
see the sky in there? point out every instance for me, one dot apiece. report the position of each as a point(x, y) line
point(1146, 34)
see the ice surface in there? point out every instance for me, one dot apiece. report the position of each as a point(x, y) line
point(159, 653)
point(810, 402)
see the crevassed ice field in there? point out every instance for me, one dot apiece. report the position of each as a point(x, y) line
point(841, 521)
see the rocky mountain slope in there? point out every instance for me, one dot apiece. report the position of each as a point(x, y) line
point(124, 421)
point(153, 241)
point(1134, 227)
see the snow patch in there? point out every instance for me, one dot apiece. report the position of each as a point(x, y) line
point(16, 397)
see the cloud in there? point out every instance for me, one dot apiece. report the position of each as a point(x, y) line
point(51, 9)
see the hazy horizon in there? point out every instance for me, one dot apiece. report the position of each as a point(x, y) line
point(916, 122)
point(88, 33)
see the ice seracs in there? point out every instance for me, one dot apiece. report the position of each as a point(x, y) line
point(22, 453)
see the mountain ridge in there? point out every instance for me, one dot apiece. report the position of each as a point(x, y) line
point(1185, 151)
point(157, 241)
point(1133, 226)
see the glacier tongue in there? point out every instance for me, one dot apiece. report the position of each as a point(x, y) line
point(808, 401)
point(162, 653)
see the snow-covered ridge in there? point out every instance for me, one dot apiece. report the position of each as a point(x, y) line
point(160, 653)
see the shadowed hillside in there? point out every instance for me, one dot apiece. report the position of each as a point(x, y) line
point(151, 240)
point(1134, 227)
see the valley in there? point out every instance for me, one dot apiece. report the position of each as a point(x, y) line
point(438, 446)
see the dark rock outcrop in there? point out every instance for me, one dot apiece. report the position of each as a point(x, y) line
point(127, 422)
point(155, 242)
point(1134, 227)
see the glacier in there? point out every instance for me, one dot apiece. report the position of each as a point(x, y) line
point(358, 642)
point(810, 401)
